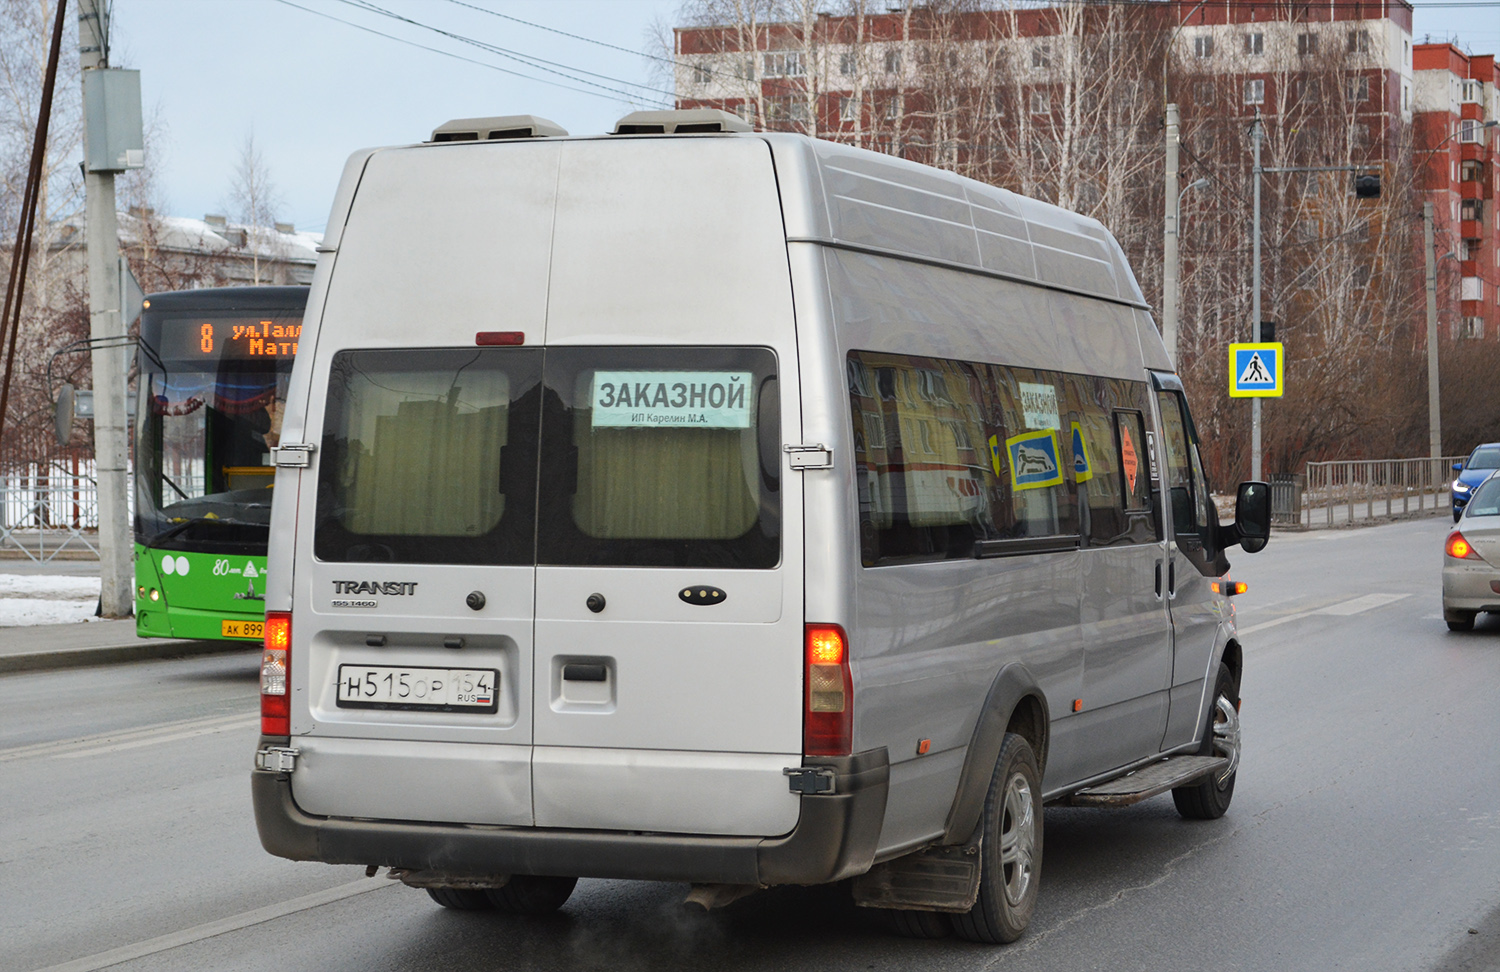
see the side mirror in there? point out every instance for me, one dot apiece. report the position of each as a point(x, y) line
point(1252, 516)
point(1458, 467)
point(62, 418)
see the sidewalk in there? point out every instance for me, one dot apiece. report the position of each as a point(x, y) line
point(42, 647)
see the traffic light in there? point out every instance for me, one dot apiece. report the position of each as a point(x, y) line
point(1367, 186)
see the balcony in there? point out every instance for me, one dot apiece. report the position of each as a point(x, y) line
point(1471, 288)
point(1470, 228)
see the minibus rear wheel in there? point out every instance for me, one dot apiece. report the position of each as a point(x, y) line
point(461, 899)
point(916, 924)
point(532, 894)
point(1209, 798)
point(1010, 854)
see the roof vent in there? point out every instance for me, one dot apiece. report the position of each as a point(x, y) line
point(686, 122)
point(496, 129)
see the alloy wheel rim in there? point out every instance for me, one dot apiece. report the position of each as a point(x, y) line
point(1017, 839)
point(1226, 737)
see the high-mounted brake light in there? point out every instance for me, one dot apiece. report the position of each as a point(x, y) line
point(490, 339)
point(828, 720)
point(1459, 548)
point(276, 675)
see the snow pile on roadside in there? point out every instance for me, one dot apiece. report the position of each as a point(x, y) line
point(27, 599)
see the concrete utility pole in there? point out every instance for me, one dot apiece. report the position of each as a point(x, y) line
point(1256, 135)
point(1434, 412)
point(1169, 241)
point(111, 442)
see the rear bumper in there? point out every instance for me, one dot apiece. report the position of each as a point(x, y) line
point(835, 838)
point(1469, 587)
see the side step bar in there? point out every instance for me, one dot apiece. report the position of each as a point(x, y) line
point(1146, 782)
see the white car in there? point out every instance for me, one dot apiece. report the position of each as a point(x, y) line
point(1471, 559)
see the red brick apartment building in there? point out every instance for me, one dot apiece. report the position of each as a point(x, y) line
point(1456, 95)
point(1066, 103)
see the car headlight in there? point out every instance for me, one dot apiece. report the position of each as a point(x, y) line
point(1460, 487)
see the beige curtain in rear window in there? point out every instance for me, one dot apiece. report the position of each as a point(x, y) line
point(424, 453)
point(667, 483)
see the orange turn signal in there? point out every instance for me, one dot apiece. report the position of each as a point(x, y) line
point(1229, 588)
point(1459, 548)
point(825, 645)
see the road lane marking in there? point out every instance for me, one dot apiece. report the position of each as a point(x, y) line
point(240, 722)
point(145, 734)
point(1355, 605)
point(212, 929)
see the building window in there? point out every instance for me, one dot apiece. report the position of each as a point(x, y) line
point(1471, 90)
point(1466, 250)
point(1361, 276)
point(1255, 92)
point(1471, 171)
point(893, 62)
point(1471, 209)
point(1255, 42)
point(1358, 88)
point(1405, 96)
point(746, 110)
point(702, 74)
point(1203, 46)
point(790, 108)
point(847, 64)
point(1468, 130)
point(1307, 44)
point(1473, 327)
point(782, 64)
point(1041, 102)
point(893, 109)
point(1308, 89)
point(1359, 42)
point(1041, 56)
point(1203, 92)
point(848, 109)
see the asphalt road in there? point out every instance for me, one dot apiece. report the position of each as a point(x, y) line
point(1365, 830)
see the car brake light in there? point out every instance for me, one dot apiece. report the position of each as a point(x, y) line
point(828, 722)
point(1459, 548)
point(276, 675)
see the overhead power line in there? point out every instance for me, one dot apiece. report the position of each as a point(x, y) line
point(531, 61)
point(439, 50)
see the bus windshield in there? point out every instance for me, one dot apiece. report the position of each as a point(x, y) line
point(212, 389)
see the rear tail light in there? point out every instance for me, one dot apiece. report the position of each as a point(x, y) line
point(1459, 548)
point(828, 722)
point(276, 675)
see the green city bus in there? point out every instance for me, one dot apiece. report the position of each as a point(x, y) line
point(213, 371)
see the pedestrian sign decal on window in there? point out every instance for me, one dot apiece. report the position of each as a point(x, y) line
point(1256, 370)
point(1082, 471)
point(1033, 460)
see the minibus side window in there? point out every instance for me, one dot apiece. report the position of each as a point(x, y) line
point(662, 457)
point(1107, 445)
point(949, 454)
point(429, 456)
point(1192, 519)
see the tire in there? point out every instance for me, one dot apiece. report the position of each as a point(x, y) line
point(1459, 620)
point(1010, 853)
point(1209, 798)
point(916, 924)
point(460, 899)
point(529, 894)
point(1457, 514)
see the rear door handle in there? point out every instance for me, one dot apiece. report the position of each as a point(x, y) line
point(1158, 578)
point(1172, 577)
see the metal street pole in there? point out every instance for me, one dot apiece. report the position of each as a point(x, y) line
point(1434, 412)
point(1169, 242)
point(116, 556)
point(1256, 134)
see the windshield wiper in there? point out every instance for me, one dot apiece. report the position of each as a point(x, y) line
point(179, 528)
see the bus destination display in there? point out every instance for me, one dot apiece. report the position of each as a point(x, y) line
point(226, 337)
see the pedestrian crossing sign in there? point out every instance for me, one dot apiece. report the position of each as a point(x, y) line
point(1256, 371)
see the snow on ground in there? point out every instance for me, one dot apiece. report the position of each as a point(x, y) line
point(27, 599)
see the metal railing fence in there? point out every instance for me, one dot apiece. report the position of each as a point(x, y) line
point(49, 508)
point(1349, 490)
